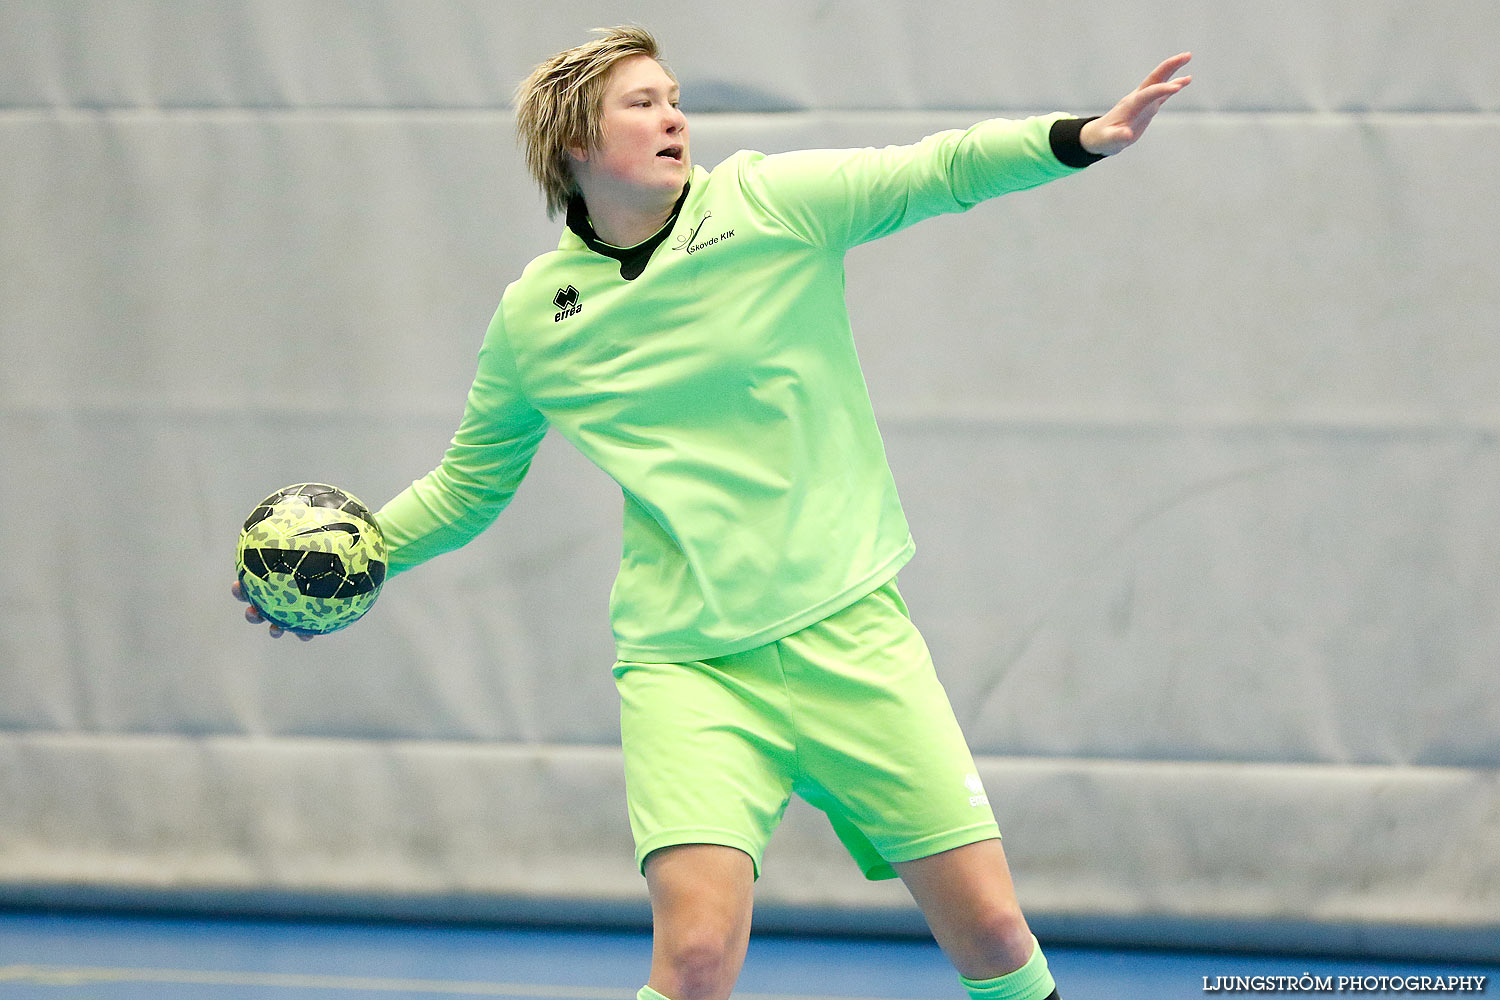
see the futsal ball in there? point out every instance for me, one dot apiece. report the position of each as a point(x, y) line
point(311, 558)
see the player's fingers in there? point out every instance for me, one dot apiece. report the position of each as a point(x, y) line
point(1142, 106)
point(1154, 94)
point(1167, 68)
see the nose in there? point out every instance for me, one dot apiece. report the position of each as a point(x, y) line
point(676, 120)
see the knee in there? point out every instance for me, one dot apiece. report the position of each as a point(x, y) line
point(698, 966)
point(999, 940)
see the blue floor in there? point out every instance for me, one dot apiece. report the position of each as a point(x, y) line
point(73, 956)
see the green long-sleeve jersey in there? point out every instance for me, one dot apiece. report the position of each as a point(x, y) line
point(712, 374)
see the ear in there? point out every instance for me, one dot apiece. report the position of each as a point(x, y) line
point(578, 153)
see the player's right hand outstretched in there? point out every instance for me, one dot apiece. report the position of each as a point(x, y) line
point(254, 617)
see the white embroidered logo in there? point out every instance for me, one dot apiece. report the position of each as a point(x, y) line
point(976, 791)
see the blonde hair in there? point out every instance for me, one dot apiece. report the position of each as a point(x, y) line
point(560, 106)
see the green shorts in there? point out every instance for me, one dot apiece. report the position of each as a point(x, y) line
point(847, 713)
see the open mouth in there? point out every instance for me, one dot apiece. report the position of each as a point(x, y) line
point(671, 152)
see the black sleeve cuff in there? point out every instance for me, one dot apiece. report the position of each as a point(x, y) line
point(1066, 145)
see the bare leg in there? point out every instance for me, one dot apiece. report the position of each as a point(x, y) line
point(970, 904)
point(701, 898)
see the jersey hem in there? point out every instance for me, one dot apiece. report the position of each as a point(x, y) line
point(779, 630)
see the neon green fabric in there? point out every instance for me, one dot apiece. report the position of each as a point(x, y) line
point(1032, 981)
point(848, 713)
point(647, 993)
point(720, 389)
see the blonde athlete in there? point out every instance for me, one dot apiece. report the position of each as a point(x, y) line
point(689, 335)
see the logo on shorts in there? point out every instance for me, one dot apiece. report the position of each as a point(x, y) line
point(976, 791)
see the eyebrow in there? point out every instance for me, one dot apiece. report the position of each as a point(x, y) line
point(652, 91)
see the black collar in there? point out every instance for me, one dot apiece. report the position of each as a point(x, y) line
point(633, 260)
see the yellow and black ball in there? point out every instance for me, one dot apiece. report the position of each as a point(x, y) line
point(311, 558)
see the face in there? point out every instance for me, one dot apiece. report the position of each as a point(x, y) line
point(644, 152)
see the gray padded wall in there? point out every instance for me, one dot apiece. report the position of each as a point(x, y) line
point(1199, 449)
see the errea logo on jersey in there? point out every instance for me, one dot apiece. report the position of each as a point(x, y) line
point(567, 303)
point(976, 791)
